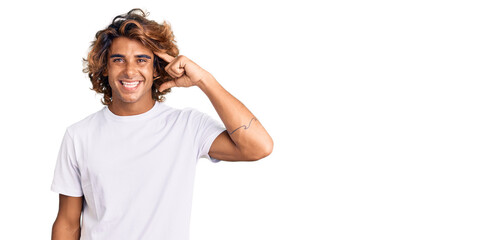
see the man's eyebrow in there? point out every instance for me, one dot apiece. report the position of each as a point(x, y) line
point(137, 56)
point(143, 56)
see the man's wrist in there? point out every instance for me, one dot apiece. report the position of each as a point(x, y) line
point(207, 83)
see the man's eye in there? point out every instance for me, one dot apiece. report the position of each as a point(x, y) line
point(142, 60)
point(118, 60)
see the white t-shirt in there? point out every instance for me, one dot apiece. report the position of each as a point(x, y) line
point(136, 173)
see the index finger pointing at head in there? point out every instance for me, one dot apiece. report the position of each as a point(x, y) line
point(166, 57)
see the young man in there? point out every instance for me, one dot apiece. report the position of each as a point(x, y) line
point(129, 168)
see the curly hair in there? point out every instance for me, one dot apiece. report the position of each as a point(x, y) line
point(133, 25)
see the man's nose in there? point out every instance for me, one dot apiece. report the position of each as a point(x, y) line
point(130, 70)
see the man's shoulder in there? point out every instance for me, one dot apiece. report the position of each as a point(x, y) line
point(168, 113)
point(185, 116)
point(184, 112)
point(86, 123)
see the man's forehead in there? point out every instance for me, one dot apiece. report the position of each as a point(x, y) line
point(126, 46)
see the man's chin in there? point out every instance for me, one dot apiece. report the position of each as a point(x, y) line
point(129, 99)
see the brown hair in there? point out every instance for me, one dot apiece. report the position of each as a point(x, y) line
point(134, 25)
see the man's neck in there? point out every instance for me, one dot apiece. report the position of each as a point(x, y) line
point(128, 109)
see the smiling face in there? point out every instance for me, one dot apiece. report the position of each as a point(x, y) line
point(130, 73)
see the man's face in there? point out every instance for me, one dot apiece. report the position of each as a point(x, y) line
point(130, 71)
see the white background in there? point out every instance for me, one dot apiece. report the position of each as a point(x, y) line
point(386, 115)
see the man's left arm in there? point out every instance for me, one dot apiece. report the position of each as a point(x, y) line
point(245, 139)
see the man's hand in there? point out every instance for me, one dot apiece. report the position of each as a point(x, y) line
point(185, 72)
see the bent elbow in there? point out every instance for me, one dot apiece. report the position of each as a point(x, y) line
point(264, 151)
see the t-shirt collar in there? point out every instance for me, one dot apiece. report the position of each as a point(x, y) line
point(110, 115)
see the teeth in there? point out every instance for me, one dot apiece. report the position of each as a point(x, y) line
point(130, 84)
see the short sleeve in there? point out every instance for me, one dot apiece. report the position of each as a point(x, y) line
point(66, 179)
point(208, 131)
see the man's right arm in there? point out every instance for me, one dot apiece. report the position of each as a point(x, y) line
point(67, 224)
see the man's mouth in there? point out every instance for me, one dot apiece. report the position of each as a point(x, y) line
point(130, 84)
